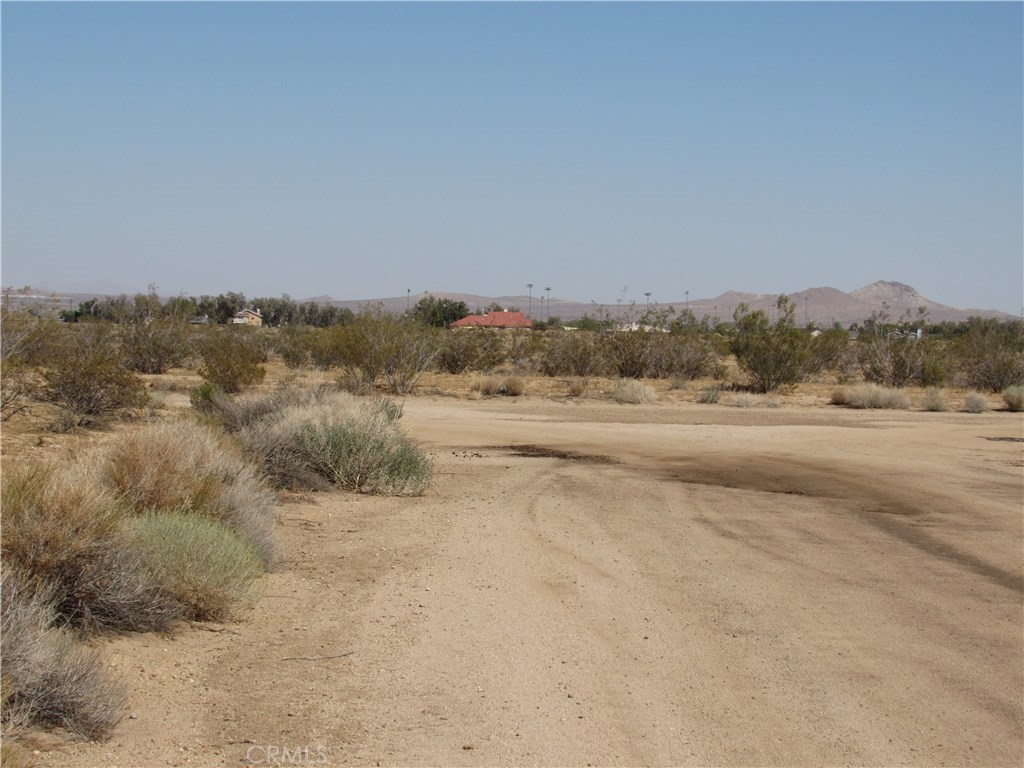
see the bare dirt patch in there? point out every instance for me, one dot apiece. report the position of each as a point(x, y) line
point(715, 586)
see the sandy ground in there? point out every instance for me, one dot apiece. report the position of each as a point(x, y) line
point(596, 584)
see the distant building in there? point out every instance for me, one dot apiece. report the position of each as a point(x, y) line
point(502, 319)
point(246, 317)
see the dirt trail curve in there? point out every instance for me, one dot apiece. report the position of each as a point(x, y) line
point(792, 587)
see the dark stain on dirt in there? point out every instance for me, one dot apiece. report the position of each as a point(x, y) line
point(870, 498)
point(1006, 439)
point(540, 451)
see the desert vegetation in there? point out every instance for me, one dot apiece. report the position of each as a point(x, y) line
point(166, 519)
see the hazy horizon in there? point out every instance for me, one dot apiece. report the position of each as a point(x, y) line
point(363, 150)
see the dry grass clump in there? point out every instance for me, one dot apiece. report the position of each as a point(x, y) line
point(341, 441)
point(745, 400)
point(206, 567)
point(975, 402)
point(49, 678)
point(512, 386)
point(577, 387)
point(633, 392)
point(935, 400)
point(709, 395)
point(870, 396)
point(182, 466)
point(1014, 398)
point(63, 534)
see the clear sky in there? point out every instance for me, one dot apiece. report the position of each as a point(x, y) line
point(360, 150)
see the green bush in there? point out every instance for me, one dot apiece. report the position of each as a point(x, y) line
point(773, 355)
point(469, 349)
point(231, 358)
point(574, 353)
point(86, 376)
point(990, 355)
point(207, 568)
point(155, 344)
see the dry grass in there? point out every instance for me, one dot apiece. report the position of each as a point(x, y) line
point(50, 678)
point(633, 392)
point(511, 386)
point(1014, 399)
point(745, 400)
point(182, 466)
point(871, 396)
point(935, 400)
point(975, 402)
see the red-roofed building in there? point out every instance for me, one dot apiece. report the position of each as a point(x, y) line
point(494, 320)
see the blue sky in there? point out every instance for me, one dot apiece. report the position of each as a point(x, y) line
point(360, 150)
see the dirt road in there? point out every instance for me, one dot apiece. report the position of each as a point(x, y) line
point(595, 584)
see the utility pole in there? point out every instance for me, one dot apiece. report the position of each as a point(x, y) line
point(529, 310)
point(548, 316)
point(687, 300)
point(648, 295)
point(408, 296)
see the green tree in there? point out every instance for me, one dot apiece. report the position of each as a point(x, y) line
point(772, 355)
point(439, 313)
point(990, 355)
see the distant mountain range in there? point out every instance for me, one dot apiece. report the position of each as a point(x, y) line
point(823, 306)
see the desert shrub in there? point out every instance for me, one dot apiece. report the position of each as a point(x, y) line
point(54, 522)
point(87, 377)
point(1014, 398)
point(186, 467)
point(524, 349)
point(631, 354)
point(476, 349)
point(235, 413)
point(62, 532)
point(50, 678)
point(689, 355)
point(293, 345)
point(709, 395)
point(990, 355)
point(573, 353)
point(935, 400)
point(975, 402)
point(745, 400)
point(155, 344)
point(870, 396)
point(342, 442)
point(772, 355)
point(18, 384)
point(377, 344)
point(512, 386)
point(893, 354)
point(231, 358)
point(577, 387)
point(633, 392)
point(326, 347)
point(205, 566)
point(829, 351)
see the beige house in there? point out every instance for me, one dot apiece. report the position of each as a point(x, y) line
point(246, 317)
